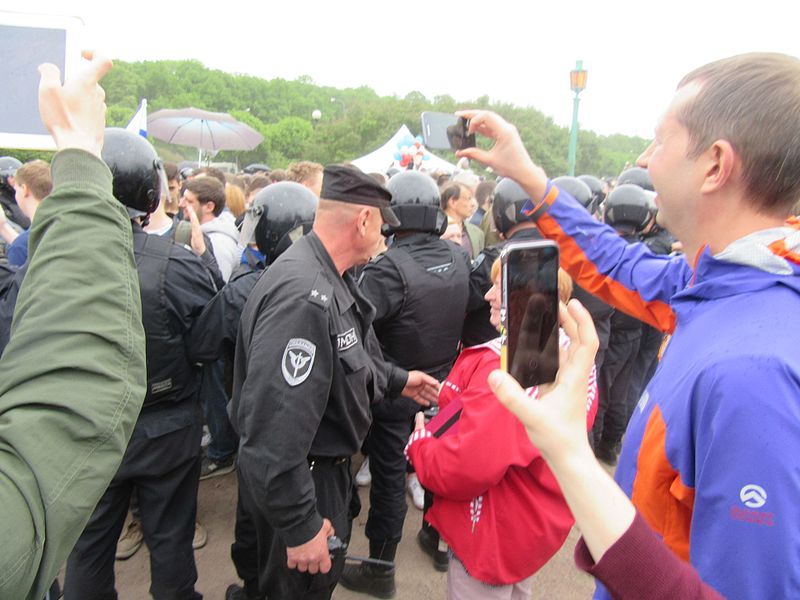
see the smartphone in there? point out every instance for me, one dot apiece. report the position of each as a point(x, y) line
point(529, 311)
point(445, 131)
point(26, 41)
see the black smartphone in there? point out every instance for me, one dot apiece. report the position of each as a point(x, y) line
point(445, 131)
point(529, 311)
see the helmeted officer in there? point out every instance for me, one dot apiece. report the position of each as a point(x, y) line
point(628, 210)
point(307, 369)
point(162, 461)
point(509, 198)
point(280, 215)
point(419, 288)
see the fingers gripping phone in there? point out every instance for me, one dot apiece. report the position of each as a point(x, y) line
point(445, 131)
point(529, 311)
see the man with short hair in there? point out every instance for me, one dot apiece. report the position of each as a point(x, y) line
point(307, 369)
point(206, 195)
point(709, 457)
point(308, 174)
point(483, 196)
point(32, 184)
point(458, 203)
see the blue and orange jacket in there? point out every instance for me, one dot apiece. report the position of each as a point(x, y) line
point(711, 457)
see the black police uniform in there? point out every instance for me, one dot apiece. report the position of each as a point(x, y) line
point(477, 328)
point(419, 288)
point(307, 368)
point(162, 461)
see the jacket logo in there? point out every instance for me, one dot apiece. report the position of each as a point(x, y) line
point(297, 361)
point(346, 340)
point(753, 496)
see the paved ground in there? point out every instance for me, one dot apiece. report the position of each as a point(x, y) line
point(416, 578)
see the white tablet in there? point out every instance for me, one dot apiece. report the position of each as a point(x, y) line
point(26, 41)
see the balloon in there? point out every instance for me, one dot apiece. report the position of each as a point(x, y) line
point(417, 144)
point(426, 157)
point(419, 139)
point(405, 162)
point(397, 155)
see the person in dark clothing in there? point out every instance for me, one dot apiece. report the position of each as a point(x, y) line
point(416, 330)
point(162, 461)
point(629, 210)
point(509, 198)
point(307, 369)
point(279, 215)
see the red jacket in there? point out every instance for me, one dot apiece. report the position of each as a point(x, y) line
point(496, 502)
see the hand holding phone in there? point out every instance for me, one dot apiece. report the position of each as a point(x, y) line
point(445, 131)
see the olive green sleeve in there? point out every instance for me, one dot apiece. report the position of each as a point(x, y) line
point(72, 377)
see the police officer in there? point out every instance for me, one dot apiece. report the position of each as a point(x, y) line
point(307, 369)
point(628, 210)
point(280, 215)
point(509, 198)
point(419, 288)
point(162, 461)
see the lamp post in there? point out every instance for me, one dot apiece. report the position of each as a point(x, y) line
point(577, 83)
point(339, 100)
point(316, 115)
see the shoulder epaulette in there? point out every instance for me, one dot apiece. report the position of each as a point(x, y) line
point(321, 292)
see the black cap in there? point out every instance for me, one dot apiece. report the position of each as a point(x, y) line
point(347, 184)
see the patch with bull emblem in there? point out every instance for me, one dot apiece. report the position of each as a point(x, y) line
point(298, 359)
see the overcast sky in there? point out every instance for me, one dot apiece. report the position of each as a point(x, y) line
point(521, 52)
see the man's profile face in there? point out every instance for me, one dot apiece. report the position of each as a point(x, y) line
point(676, 177)
point(174, 189)
point(190, 199)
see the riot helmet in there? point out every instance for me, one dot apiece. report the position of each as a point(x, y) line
point(628, 208)
point(280, 214)
point(415, 202)
point(509, 198)
point(636, 176)
point(139, 177)
point(598, 191)
point(8, 166)
point(575, 188)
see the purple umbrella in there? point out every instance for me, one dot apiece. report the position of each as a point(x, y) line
point(202, 129)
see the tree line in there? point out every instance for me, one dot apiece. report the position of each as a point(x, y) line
point(354, 121)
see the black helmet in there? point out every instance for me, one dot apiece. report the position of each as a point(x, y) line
point(280, 214)
point(509, 198)
point(415, 202)
point(139, 177)
point(636, 176)
point(575, 188)
point(254, 168)
point(598, 190)
point(628, 208)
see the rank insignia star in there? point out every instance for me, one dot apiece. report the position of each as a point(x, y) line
point(315, 293)
point(324, 298)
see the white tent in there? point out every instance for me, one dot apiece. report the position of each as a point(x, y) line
point(382, 159)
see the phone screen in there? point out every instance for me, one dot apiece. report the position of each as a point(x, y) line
point(26, 41)
point(530, 311)
point(445, 131)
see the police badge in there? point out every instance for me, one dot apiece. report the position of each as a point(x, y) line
point(298, 358)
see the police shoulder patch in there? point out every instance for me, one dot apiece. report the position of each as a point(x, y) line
point(321, 292)
point(298, 360)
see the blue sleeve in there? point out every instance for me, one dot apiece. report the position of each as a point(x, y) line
point(18, 250)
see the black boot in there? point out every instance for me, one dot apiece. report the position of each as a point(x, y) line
point(369, 579)
point(428, 540)
point(237, 592)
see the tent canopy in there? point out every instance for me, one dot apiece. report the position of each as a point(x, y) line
point(383, 159)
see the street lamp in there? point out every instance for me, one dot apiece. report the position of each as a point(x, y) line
point(316, 115)
point(340, 102)
point(577, 83)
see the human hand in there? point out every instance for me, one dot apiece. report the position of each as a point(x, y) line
point(508, 156)
point(313, 556)
point(556, 423)
point(197, 240)
point(421, 388)
point(75, 113)
point(419, 421)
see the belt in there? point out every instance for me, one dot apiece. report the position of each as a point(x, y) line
point(327, 461)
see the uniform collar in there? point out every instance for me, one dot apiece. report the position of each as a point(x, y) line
point(344, 288)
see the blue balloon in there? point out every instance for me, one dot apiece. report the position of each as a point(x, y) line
point(426, 157)
point(397, 155)
point(419, 139)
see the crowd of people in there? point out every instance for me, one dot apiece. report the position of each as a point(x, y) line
point(159, 326)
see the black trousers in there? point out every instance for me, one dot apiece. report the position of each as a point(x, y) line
point(244, 550)
point(613, 385)
point(164, 470)
point(334, 486)
point(392, 422)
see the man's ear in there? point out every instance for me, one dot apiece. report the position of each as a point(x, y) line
point(362, 220)
point(720, 162)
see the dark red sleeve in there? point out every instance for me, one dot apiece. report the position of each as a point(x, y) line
point(639, 565)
